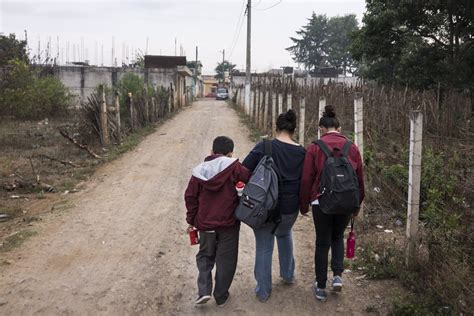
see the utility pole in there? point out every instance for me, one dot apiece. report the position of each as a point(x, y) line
point(223, 69)
point(247, 72)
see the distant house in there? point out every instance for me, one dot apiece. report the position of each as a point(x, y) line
point(172, 69)
point(210, 85)
point(196, 80)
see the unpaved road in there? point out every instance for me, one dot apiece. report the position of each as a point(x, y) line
point(121, 248)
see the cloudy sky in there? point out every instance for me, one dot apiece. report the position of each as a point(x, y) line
point(213, 25)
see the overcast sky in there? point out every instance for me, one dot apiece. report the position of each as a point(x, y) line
point(210, 24)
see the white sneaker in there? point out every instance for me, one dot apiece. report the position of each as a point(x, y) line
point(201, 300)
point(337, 283)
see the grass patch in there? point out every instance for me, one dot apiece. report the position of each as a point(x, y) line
point(15, 240)
point(379, 261)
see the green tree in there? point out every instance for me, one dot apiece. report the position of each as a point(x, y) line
point(222, 68)
point(26, 94)
point(311, 48)
point(339, 41)
point(325, 42)
point(11, 48)
point(420, 43)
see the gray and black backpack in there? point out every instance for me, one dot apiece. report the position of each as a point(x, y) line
point(260, 196)
point(339, 186)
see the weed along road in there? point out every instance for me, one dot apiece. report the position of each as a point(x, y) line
point(121, 248)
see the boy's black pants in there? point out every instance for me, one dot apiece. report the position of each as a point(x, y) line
point(329, 234)
point(220, 248)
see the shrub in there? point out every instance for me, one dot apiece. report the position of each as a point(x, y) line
point(26, 95)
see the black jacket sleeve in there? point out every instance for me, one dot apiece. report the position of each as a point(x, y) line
point(253, 158)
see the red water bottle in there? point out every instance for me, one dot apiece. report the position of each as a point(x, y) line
point(239, 187)
point(351, 242)
point(193, 236)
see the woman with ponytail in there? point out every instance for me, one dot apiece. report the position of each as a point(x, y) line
point(288, 157)
point(329, 227)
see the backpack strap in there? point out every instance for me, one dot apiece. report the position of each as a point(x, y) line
point(325, 148)
point(346, 148)
point(268, 147)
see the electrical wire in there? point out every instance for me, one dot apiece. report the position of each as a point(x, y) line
point(270, 7)
point(238, 29)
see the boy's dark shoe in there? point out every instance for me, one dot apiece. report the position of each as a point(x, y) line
point(202, 299)
point(223, 302)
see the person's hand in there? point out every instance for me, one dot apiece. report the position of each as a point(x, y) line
point(190, 228)
point(304, 210)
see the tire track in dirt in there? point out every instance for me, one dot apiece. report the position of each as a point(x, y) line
point(122, 248)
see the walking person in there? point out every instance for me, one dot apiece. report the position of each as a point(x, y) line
point(288, 157)
point(211, 199)
point(331, 215)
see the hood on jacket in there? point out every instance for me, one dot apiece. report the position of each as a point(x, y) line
point(214, 171)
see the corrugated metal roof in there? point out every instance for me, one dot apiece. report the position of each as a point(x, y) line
point(158, 61)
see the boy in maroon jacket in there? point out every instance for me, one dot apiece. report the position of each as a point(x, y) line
point(211, 199)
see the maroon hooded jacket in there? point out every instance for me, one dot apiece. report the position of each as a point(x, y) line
point(314, 163)
point(211, 197)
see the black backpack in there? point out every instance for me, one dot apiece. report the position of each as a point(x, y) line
point(339, 186)
point(260, 197)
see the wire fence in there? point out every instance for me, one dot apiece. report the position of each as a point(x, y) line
point(447, 181)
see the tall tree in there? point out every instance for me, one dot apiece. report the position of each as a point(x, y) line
point(325, 42)
point(420, 43)
point(223, 67)
point(12, 48)
point(311, 48)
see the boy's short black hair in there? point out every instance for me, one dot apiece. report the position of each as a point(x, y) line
point(222, 145)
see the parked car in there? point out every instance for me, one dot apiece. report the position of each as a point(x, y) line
point(222, 94)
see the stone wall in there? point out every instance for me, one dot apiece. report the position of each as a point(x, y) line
point(82, 81)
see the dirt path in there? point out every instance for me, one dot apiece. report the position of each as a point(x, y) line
point(121, 249)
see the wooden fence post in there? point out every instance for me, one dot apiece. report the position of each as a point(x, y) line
point(280, 104)
point(289, 101)
point(146, 114)
point(414, 179)
point(302, 120)
point(359, 133)
point(132, 112)
point(117, 117)
point(251, 105)
point(257, 106)
point(274, 109)
point(154, 115)
point(104, 126)
point(265, 111)
point(261, 103)
point(322, 105)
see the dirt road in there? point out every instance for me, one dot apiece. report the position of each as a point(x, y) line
point(121, 248)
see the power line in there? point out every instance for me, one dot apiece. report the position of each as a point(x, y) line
point(270, 7)
point(238, 29)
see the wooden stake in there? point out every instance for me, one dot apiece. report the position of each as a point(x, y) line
point(274, 108)
point(265, 110)
point(147, 105)
point(289, 101)
point(280, 104)
point(132, 112)
point(414, 179)
point(104, 127)
point(302, 120)
point(117, 116)
point(322, 105)
point(359, 133)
